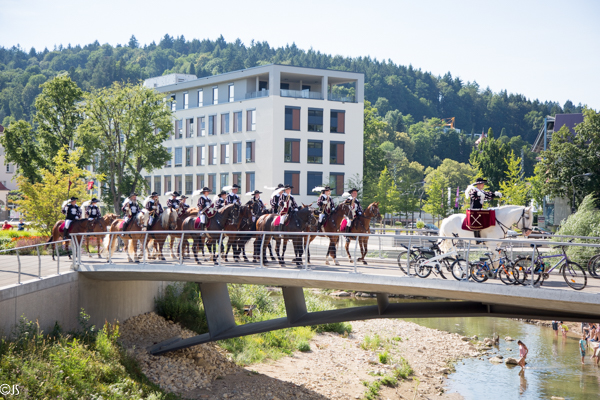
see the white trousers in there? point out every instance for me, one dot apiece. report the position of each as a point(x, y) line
point(203, 218)
point(282, 220)
point(151, 220)
point(321, 217)
point(68, 223)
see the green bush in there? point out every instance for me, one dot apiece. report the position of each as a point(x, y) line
point(585, 222)
point(371, 342)
point(384, 357)
point(420, 224)
point(181, 303)
point(404, 370)
point(303, 346)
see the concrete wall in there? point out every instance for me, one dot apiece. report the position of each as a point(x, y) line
point(60, 298)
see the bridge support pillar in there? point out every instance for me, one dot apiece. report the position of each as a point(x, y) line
point(217, 306)
point(295, 304)
point(382, 302)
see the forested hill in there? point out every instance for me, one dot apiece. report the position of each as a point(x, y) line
point(389, 86)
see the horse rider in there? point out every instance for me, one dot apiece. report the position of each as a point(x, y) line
point(130, 208)
point(72, 212)
point(478, 196)
point(275, 199)
point(287, 204)
point(173, 202)
point(92, 212)
point(256, 200)
point(355, 207)
point(220, 199)
point(326, 205)
point(154, 208)
point(204, 204)
point(233, 197)
point(183, 207)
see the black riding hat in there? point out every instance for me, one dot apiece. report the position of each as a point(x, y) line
point(479, 180)
point(222, 193)
point(74, 198)
point(353, 190)
point(183, 197)
point(206, 189)
point(257, 192)
point(326, 188)
point(94, 200)
point(133, 194)
point(236, 186)
point(280, 186)
point(288, 187)
point(154, 194)
point(175, 194)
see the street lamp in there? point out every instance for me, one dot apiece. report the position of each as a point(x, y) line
point(587, 174)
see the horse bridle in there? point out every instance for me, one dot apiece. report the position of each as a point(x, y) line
point(522, 217)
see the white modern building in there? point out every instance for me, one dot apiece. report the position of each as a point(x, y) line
point(262, 126)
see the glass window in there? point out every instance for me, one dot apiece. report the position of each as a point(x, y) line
point(224, 180)
point(336, 182)
point(250, 182)
point(212, 179)
point(202, 126)
point(212, 154)
point(199, 181)
point(189, 154)
point(292, 150)
point(178, 184)
point(292, 118)
point(148, 180)
point(212, 122)
point(237, 153)
point(315, 120)
point(237, 121)
point(315, 152)
point(224, 123)
point(200, 98)
point(292, 178)
point(157, 185)
point(201, 156)
point(237, 179)
point(189, 184)
point(167, 183)
point(189, 127)
point(313, 179)
point(178, 156)
point(251, 120)
point(178, 129)
point(337, 121)
point(173, 103)
point(186, 101)
point(336, 153)
point(231, 93)
point(224, 154)
point(170, 151)
point(215, 95)
point(250, 152)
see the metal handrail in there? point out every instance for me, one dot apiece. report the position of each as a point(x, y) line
point(35, 245)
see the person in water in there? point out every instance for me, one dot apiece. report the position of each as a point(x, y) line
point(523, 350)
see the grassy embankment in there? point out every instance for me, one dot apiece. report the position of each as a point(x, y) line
point(87, 364)
point(182, 303)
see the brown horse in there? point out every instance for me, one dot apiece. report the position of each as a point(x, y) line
point(216, 223)
point(137, 224)
point(234, 241)
point(332, 224)
point(191, 212)
point(77, 226)
point(167, 221)
point(361, 225)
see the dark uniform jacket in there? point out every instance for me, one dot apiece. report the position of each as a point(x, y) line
point(253, 201)
point(357, 207)
point(173, 203)
point(275, 203)
point(131, 206)
point(220, 203)
point(287, 203)
point(325, 203)
point(232, 198)
point(475, 198)
point(154, 207)
point(183, 207)
point(204, 203)
point(93, 211)
point(72, 212)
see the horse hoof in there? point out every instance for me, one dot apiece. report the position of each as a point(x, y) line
point(365, 263)
point(198, 262)
point(246, 259)
point(273, 259)
point(327, 263)
point(337, 263)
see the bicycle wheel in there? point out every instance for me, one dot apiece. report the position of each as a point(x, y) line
point(574, 275)
point(508, 275)
point(403, 260)
point(422, 271)
point(523, 269)
point(479, 272)
point(594, 266)
point(460, 270)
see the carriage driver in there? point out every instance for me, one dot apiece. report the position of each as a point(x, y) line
point(183, 207)
point(220, 199)
point(287, 204)
point(130, 208)
point(154, 207)
point(275, 199)
point(233, 197)
point(92, 212)
point(173, 202)
point(204, 203)
point(325, 203)
point(72, 212)
point(478, 196)
point(256, 200)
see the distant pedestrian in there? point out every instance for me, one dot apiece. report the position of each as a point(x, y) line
point(555, 327)
point(523, 350)
point(582, 346)
point(21, 225)
point(6, 226)
point(564, 328)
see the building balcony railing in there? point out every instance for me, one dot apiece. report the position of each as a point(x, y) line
point(256, 95)
point(339, 97)
point(301, 94)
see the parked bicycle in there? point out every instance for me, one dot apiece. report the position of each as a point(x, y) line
point(593, 266)
point(504, 268)
point(426, 259)
point(573, 274)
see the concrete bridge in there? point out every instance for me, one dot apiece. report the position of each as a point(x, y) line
point(382, 276)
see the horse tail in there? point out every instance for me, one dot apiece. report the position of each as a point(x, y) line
point(105, 244)
point(445, 244)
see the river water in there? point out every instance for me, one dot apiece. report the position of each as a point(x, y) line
point(554, 364)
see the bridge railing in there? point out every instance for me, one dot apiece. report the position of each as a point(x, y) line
point(24, 263)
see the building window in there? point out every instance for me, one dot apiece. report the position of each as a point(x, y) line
point(186, 101)
point(173, 103)
point(336, 152)
point(315, 120)
point(337, 123)
point(178, 129)
point(167, 183)
point(236, 179)
point(224, 153)
point(189, 184)
point(224, 180)
point(199, 181)
point(224, 123)
point(202, 126)
point(215, 95)
point(237, 121)
point(189, 127)
point(251, 120)
point(189, 156)
point(178, 184)
point(250, 152)
point(336, 182)
point(231, 93)
point(250, 186)
point(212, 154)
point(237, 153)
point(292, 150)
point(212, 178)
point(212, 122)
point(170, 151)
point(292, 118)
point(157, 185)
point(148, 183)
point(315, 152)
point(178, 156)
point(201, 156)
point(313, 179)
point(200, 98)
point(292, 178)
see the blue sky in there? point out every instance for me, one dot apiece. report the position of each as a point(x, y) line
point(549, 50)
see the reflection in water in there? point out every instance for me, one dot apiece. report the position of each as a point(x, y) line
point(522, 382)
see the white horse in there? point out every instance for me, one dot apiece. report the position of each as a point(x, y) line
point(506, 217)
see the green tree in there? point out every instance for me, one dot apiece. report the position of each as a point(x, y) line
point(127, 124)
point(490, 156)
point(457, 174)
point(436, 188)
point(21, 148)
point(373, 156)
point(387, 193)
point(514, 189)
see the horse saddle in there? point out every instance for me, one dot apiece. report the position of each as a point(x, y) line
point(477, 220)
point(121, 224)
point(61, 228)
point(197, 223)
